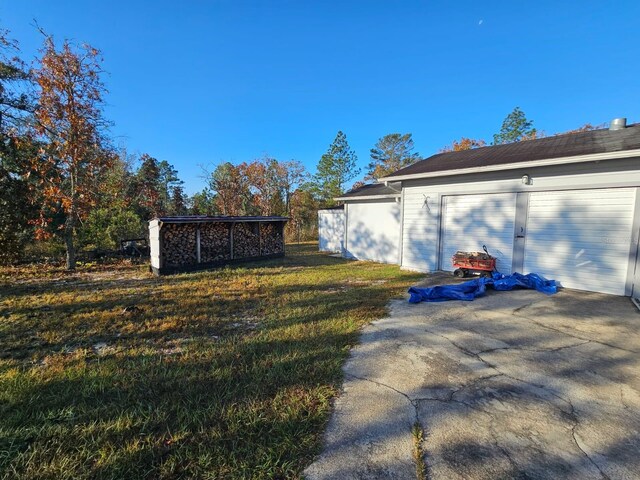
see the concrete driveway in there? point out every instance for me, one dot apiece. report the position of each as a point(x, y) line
point(512, 385)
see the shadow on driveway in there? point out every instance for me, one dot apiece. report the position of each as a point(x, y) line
point(512, 385)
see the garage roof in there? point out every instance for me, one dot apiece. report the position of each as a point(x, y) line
point(593, 142)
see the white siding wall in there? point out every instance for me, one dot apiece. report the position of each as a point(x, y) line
point(330, 230)
point(373, 231)
point(613, 173)
point(420, 229)
point(471, 221)
point(616, 237)
point(581, 237)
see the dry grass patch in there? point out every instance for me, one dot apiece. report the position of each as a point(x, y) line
point(112, 373)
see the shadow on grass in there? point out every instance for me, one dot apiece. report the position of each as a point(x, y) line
point(223, 374)
point(260, 395)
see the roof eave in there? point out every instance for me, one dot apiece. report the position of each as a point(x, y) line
point(592, 157)
point(167, 220)
point(367, 197)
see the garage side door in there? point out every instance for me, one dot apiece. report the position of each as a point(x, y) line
point(470, 221)
point(581, 237)
point(373, 231)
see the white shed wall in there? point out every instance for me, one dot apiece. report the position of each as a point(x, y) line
point(154, 243)
point(373, 231)
point(330, 230)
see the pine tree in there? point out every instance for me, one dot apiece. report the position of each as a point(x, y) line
point(392, 152)
point(336, 167)
point(515, 128)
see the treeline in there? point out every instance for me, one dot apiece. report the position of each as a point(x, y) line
point(64, 186)
point(516, 127)
point(265, 186)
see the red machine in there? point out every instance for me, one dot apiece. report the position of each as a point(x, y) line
point(473, 262)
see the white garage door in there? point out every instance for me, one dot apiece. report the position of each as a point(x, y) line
point(471, 221)
point(373, 231)
point(581, 237)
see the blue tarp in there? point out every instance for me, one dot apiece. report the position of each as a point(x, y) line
point(478, 286)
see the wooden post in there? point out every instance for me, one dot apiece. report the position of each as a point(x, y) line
point(259, 238)
point(198, 244)
point(160, 245)
point(282, 237)
point(231, 239)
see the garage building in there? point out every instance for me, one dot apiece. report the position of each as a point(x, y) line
point(566, 206)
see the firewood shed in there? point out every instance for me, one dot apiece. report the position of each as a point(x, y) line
point(182, 244)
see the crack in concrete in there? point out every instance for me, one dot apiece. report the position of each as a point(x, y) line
point(413, 403)
point(453, 400)
point(502, 449)
point(450, 398)
point(572, 412)
point(557, 330)
point(496, 443)
point(527, 305)
point(529, 349)
point(624, 405)
point(576, 422)
point(495, 367)
point(591, 460)
point(475, 382)
point(380, 384)
point(477, 356)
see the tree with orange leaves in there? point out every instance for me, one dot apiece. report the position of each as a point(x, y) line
point(463, 144)
point(587, 127)
point(69, 117)
point(231, 188)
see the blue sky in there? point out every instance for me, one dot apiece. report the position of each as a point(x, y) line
point(201, 82)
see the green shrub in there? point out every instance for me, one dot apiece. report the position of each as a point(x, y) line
point(104, 228)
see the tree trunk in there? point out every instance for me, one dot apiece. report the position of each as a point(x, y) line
point(68, 241)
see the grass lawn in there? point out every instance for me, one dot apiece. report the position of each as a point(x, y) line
point(113, 373)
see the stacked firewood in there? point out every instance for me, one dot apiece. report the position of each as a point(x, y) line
point(272, 241)
point(214, 242)
point(246, 240)
point(179, 244)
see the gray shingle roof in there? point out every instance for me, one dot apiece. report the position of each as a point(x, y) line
point(220, 219)
point(559, 146)
point(374, 189)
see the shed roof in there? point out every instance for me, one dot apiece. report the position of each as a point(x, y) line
point(559, 146)
point(337, 208)
point(220, 219)
point(374, 190)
